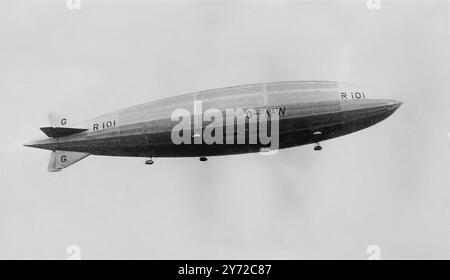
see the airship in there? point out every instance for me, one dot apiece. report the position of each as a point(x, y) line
point(219, 122)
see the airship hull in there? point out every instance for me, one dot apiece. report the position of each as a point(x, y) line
point(307, 112)
point(338, 124)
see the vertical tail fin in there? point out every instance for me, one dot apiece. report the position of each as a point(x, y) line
point(62, 159)
point(60, 126)
point(58, 120)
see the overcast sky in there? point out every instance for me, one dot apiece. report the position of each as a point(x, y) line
point(387, 185)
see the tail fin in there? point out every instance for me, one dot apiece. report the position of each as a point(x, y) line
point(60, 126)
point(59, 120)
point(56, 132)
point(62, 159)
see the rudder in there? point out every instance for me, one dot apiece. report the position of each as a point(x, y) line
point(62, 159)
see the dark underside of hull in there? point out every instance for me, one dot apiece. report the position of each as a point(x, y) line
point(293, 132)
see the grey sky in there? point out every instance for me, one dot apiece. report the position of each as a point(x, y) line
point(387, 185)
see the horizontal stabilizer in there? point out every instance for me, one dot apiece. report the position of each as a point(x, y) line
point(62, 159)
point(56, 132)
